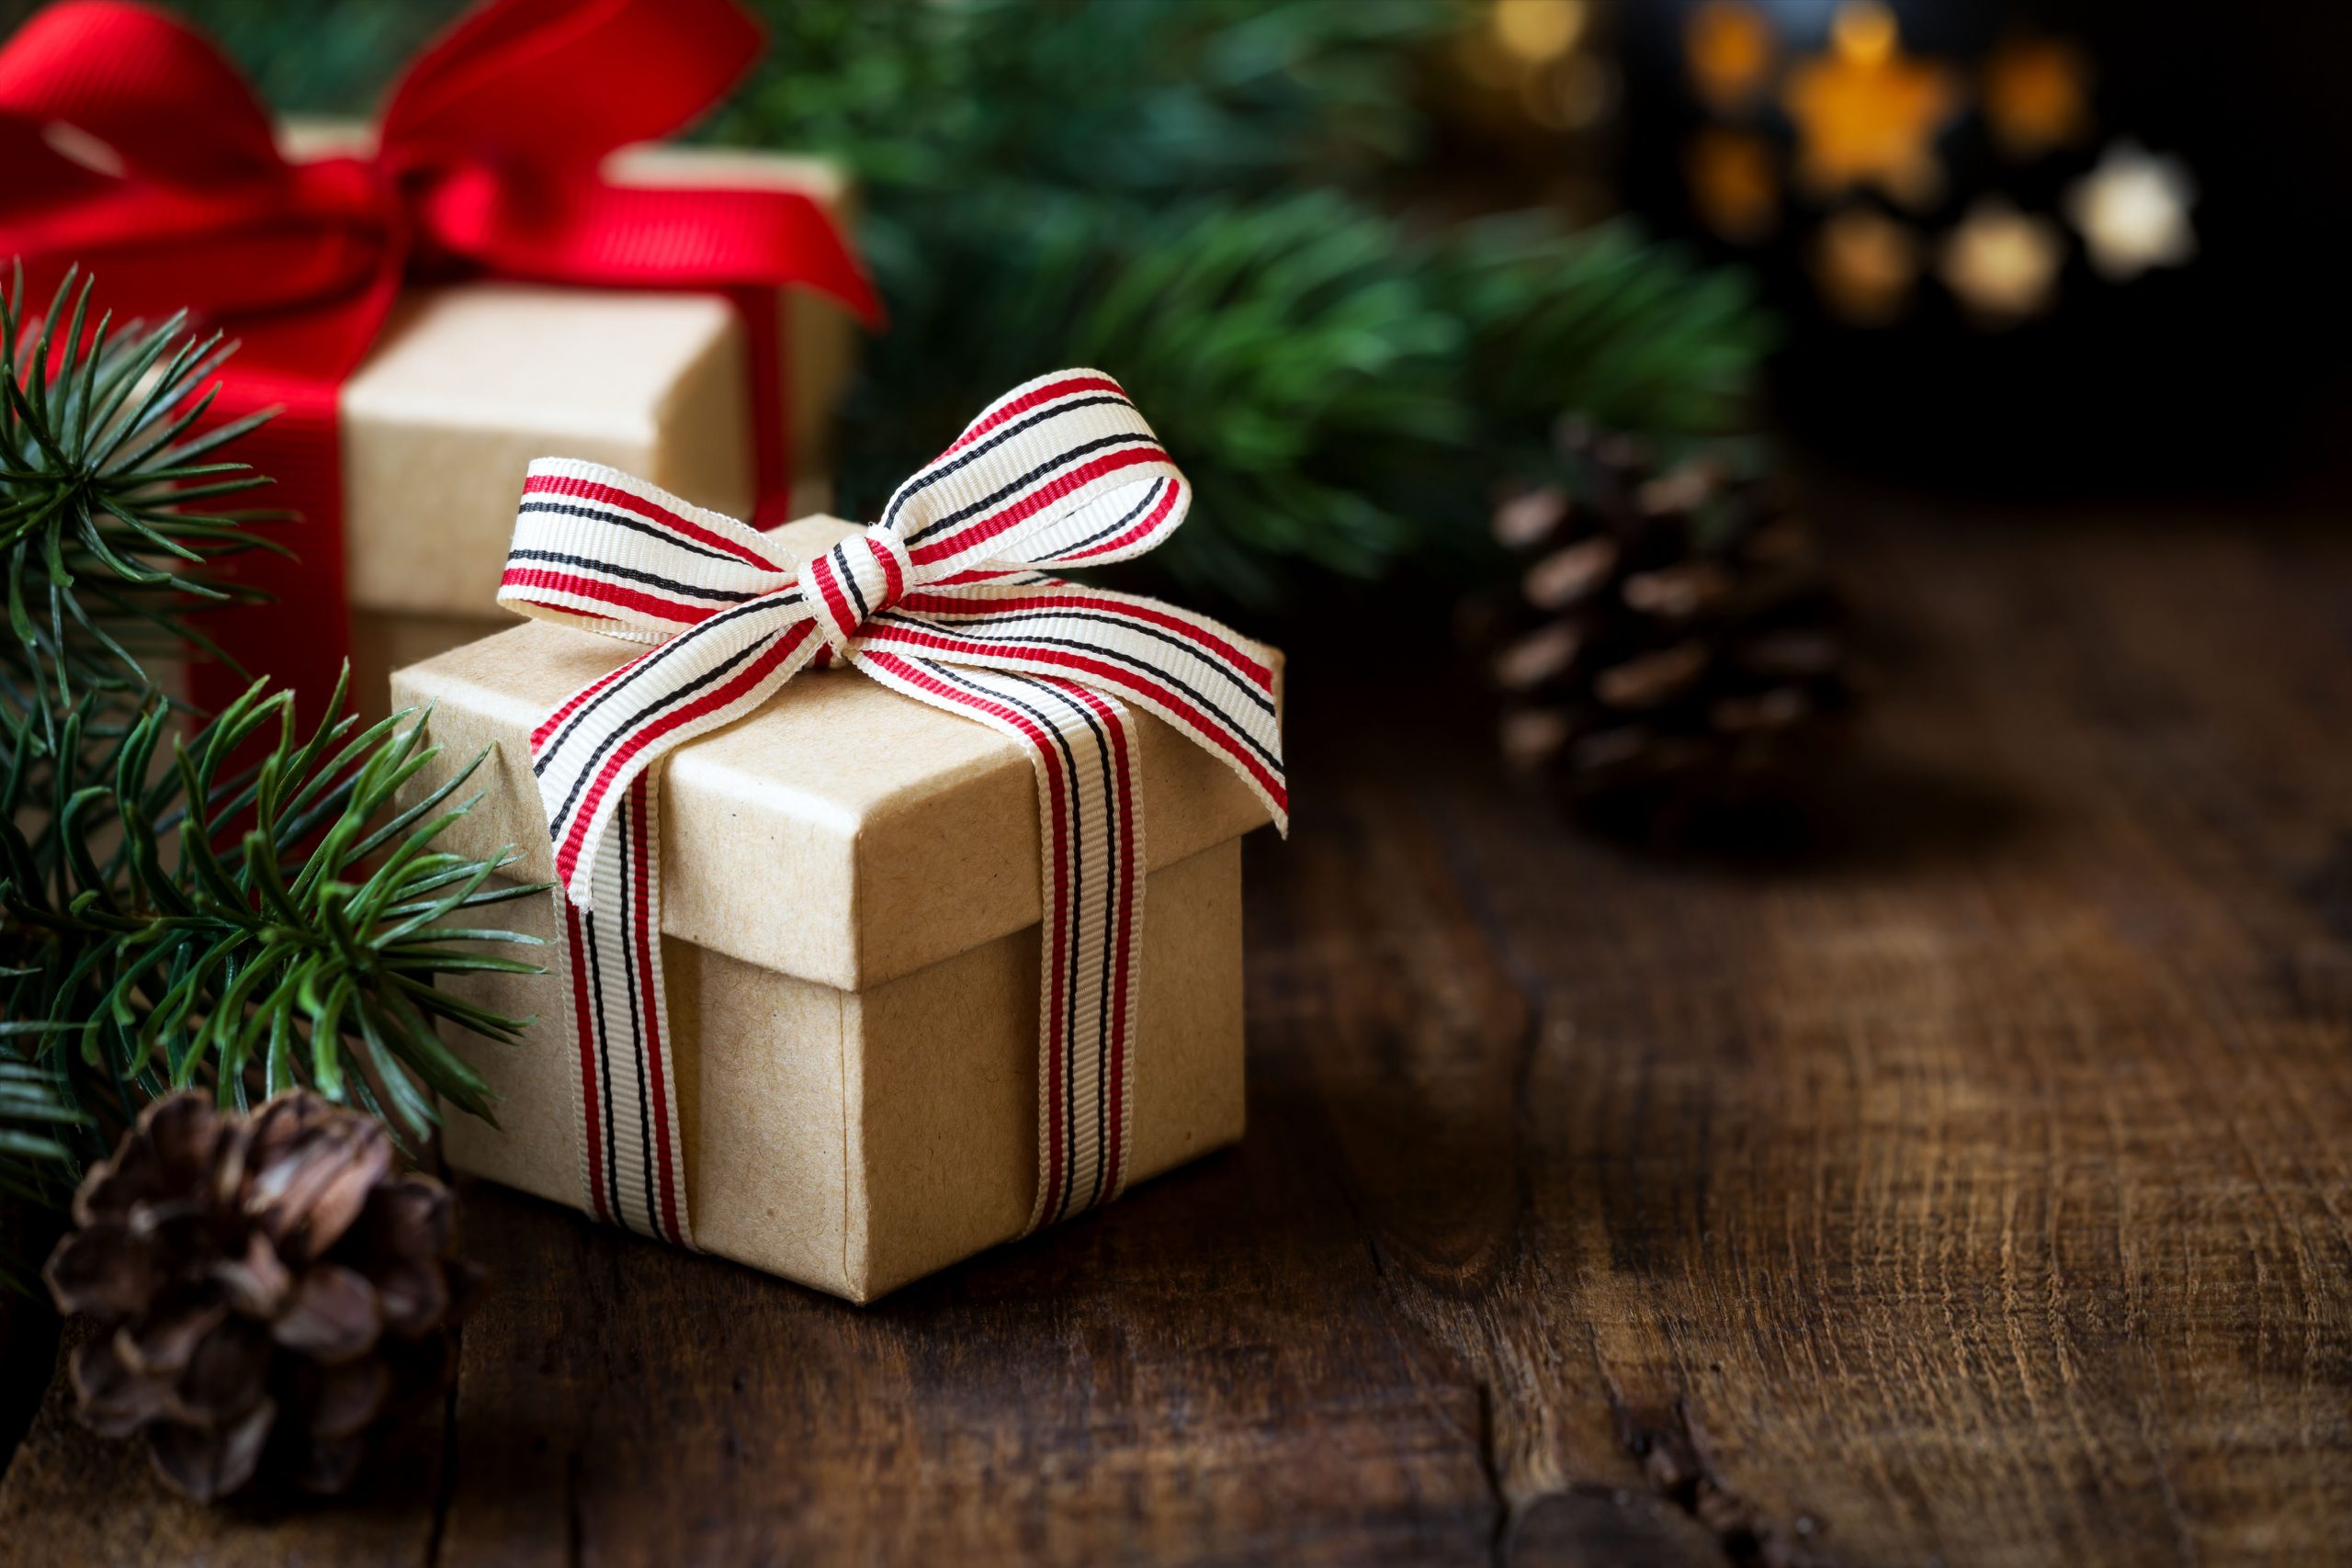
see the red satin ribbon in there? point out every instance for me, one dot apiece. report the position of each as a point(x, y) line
point(488, 163)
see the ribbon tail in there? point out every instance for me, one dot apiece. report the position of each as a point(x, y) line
point(625, 1100)
point(1087, 752)
point(301, 631)
point(589, 754)
point(761, 313)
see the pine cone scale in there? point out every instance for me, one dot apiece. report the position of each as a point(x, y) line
point(269, 1295)
point(112, 1400)
point(256, 1284)
point(332, 1317)
point(98, 1270)
point(309, 1194)
point(182, 1133)
point(1676, 630)
point(161, 1341)
point(226, 1375)
point(349, 1398)
point(413, 1298)
point(209, 1462)
point(412, 1218)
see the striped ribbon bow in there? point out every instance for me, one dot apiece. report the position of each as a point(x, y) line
point(948, 600)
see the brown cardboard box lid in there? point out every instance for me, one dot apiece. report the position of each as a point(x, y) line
point(843, 833)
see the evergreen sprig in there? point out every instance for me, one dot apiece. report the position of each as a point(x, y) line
point(38, 1122)
point(1315, 380)
point(294, 939)
point(1342, 390)
point(249, 908)
point(104, 487)
point(1603, 323)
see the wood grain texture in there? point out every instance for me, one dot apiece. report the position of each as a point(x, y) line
point(1955, 1166)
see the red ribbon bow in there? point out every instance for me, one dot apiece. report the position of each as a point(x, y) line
point(134, 148)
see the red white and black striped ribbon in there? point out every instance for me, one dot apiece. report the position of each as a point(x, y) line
point(949, 599)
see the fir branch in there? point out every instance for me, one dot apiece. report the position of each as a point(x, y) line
point(36, 1159)
point(108, 495)
point(1341, 392)
point(1153, 102)
point(1629, 333)
point(296, 939)
point(38, 1154)
point(1315, 400)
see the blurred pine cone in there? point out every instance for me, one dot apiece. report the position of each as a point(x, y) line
point(1675, 632)
point(271, 1296)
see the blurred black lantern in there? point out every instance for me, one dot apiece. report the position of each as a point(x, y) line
point(2056, 241)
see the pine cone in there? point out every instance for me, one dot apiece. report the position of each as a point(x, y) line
point(270, 1295)
point(1675, 632)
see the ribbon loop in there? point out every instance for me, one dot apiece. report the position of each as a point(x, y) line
point(598, 549)
point(1062, 470)
point(942, 601)
point(165, 107)
point(550, 84)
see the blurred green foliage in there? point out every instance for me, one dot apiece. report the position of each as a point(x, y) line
point(1202, 198)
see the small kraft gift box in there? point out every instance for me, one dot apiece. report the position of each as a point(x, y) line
point(867, 983)
point(505, 262)
point(470, 381)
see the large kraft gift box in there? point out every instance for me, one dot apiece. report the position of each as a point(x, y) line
point(470, 381)
point(850, 935)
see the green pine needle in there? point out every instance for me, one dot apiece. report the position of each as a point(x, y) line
point(37, 1156)
point(109, 498)
point(1631, 334)
point(294, 934)
point(1341, 392)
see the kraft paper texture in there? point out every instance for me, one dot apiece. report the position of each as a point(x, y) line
point(856, 1140)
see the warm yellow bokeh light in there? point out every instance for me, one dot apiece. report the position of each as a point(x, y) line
point(1868, 114)
point(1734, 183)
point(1729, 47)
point(1864, 264)
point(1863, 32)
point(2001, 263)
point(2036, 95)
point(1539, 31)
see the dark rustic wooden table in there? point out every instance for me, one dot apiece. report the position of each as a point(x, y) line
point(1959, 1169)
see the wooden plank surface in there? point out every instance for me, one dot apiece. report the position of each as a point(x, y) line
point(1955, 1167)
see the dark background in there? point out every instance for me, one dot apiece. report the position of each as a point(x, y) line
point(2224, 372)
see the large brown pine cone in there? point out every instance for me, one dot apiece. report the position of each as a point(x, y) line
point(270, 1295)
point(1675, 632)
